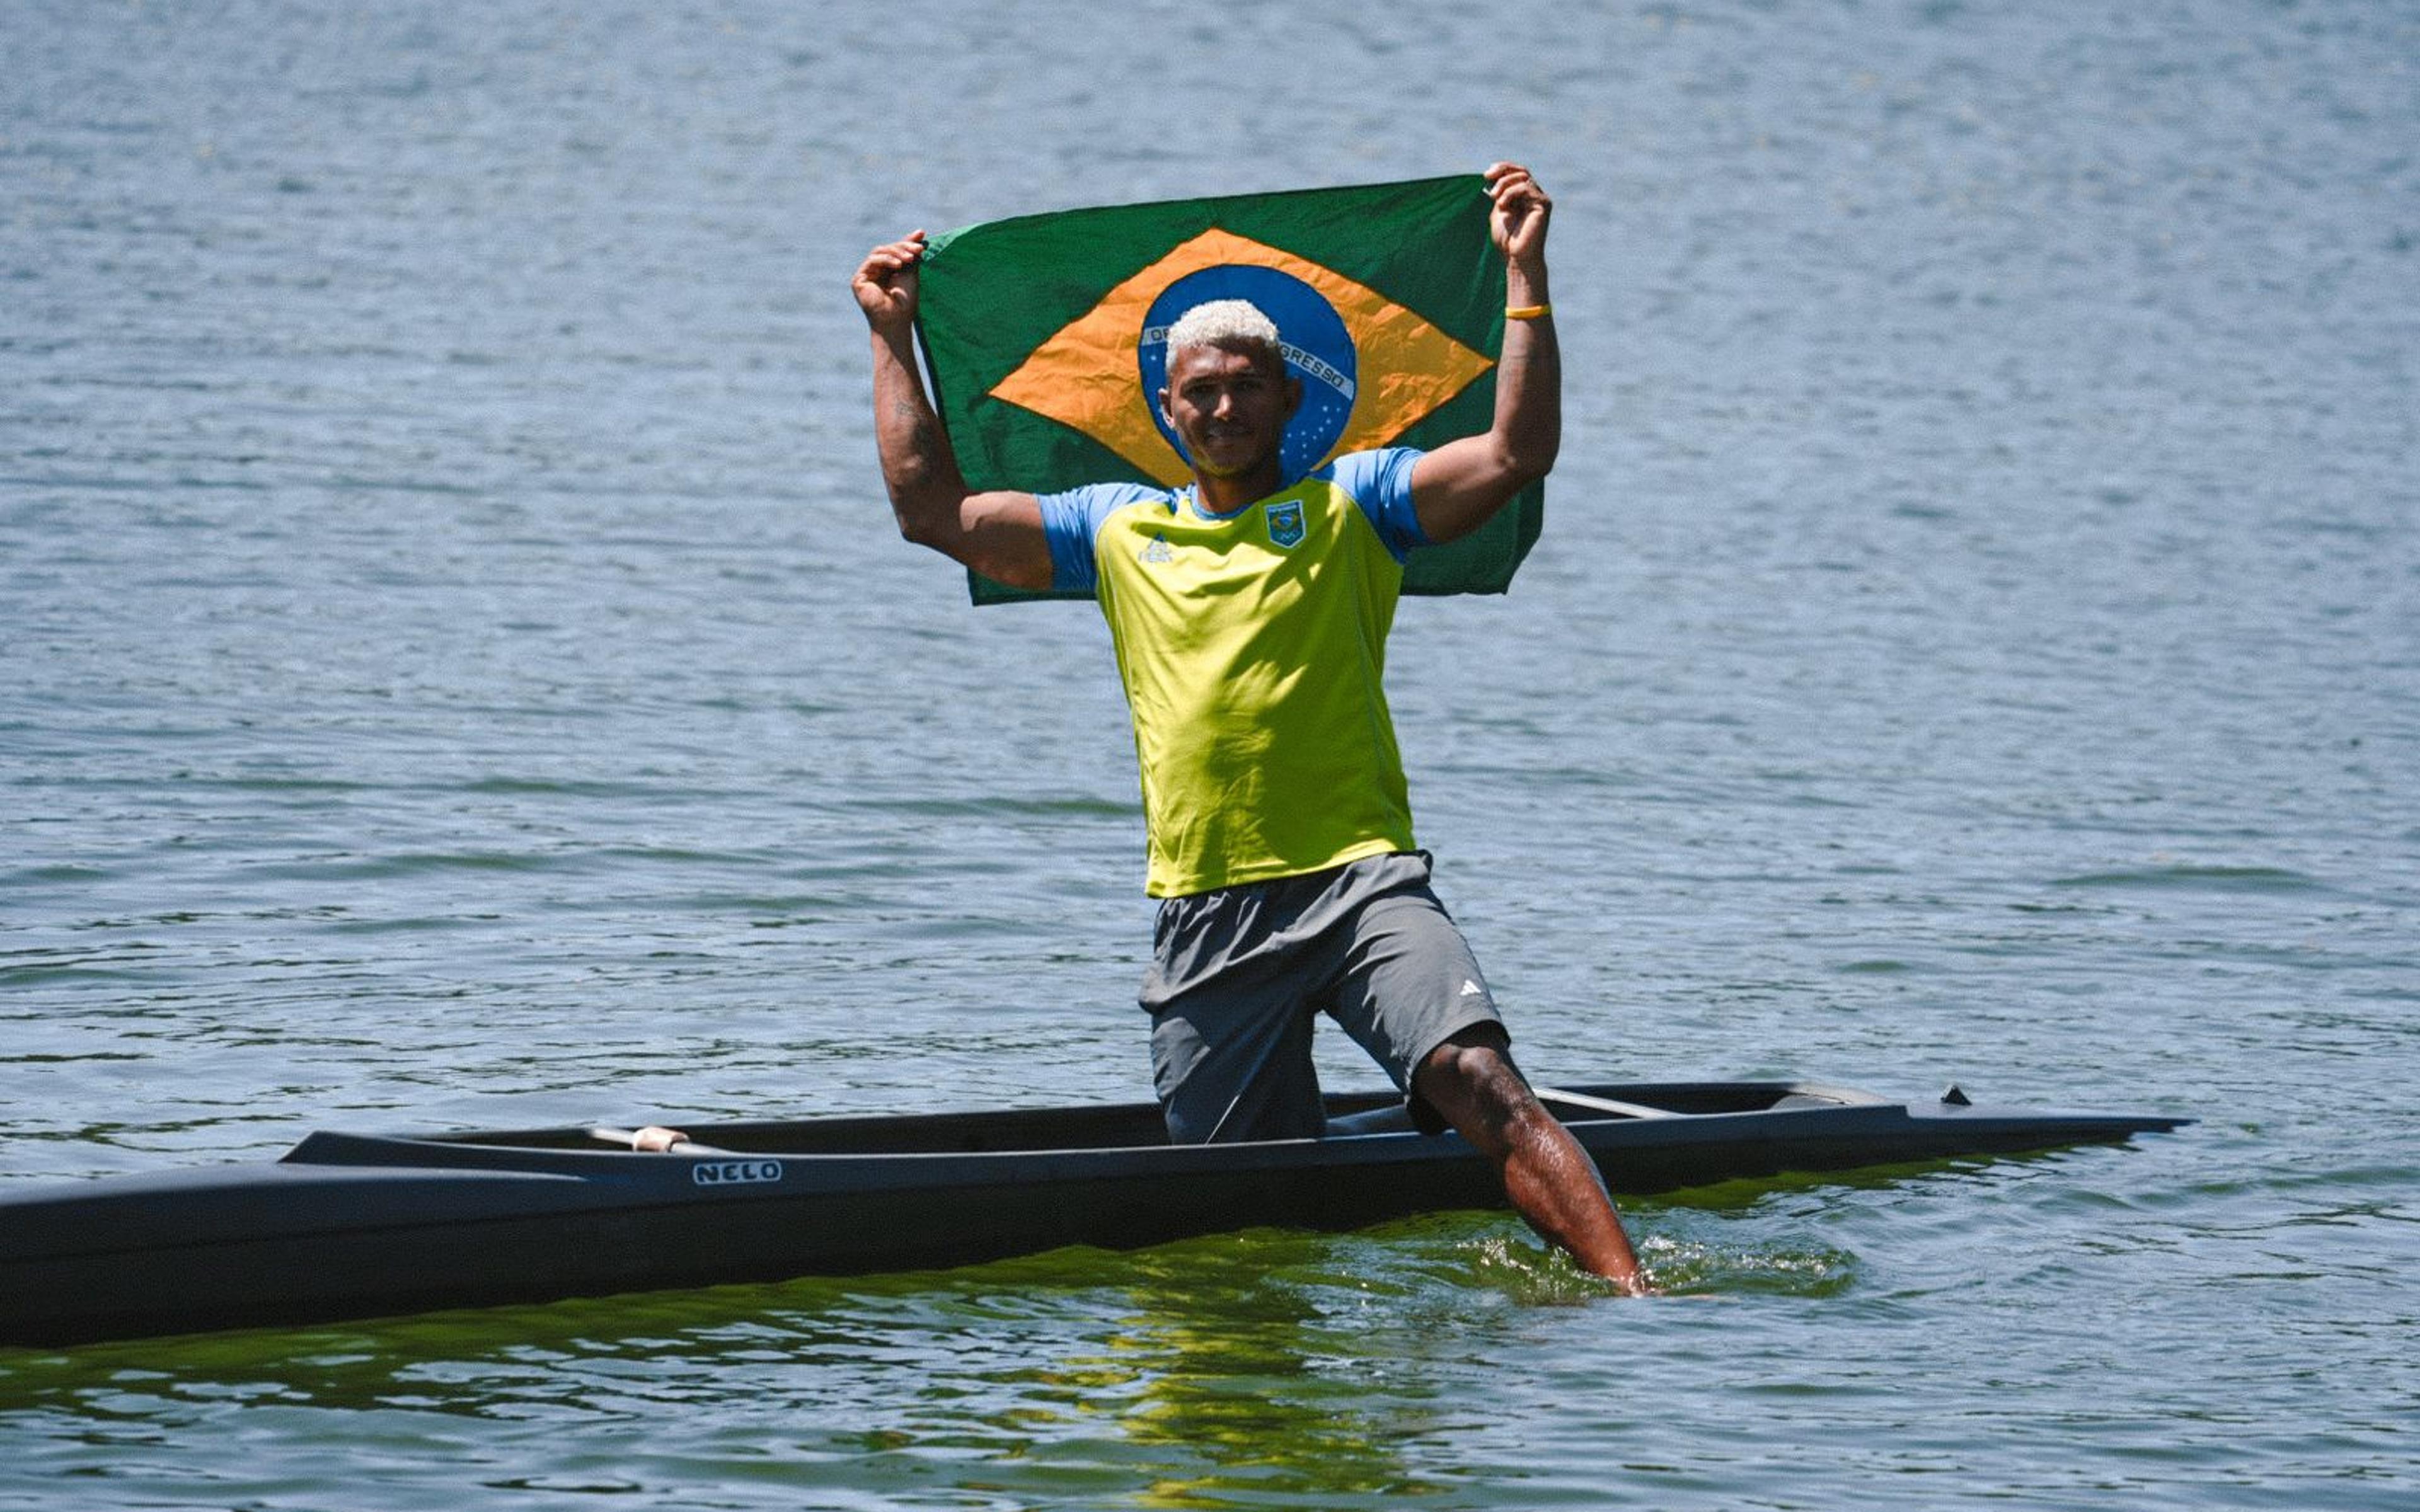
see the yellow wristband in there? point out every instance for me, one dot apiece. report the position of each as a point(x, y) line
point(1528, 312)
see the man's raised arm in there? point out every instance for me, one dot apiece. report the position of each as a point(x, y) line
point(1459, 487)
point(997, 534)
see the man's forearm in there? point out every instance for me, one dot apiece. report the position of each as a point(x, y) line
point(917, 466)
point(1528, 422)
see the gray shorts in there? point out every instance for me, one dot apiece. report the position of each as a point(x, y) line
point(1239, 975)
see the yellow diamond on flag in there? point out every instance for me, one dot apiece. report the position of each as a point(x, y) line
point(1087, 377)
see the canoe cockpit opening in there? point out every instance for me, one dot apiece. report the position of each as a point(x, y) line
point(1369, 1114)
point(1387, 1117)
point(928, 1133)
point(1119, 1125)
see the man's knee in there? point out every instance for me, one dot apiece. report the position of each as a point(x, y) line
point(1471, 1080)
point(1475, 1051)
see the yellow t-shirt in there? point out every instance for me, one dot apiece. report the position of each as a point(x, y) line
point(1253, 646)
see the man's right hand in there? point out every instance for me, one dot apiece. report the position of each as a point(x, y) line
point(886, 283)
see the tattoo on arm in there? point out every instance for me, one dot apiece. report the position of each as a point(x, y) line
point(928, 449)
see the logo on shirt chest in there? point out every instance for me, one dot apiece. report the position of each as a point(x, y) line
point(1285, 524)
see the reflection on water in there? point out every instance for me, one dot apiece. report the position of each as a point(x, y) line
point(1264, 1374)
point(1327, 1370)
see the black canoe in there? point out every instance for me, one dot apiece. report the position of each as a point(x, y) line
point(353, 1226)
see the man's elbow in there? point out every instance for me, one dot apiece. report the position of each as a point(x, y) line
point(917, 529)
point(928, 517)
point(1522, 464)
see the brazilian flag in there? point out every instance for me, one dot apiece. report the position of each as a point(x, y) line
point(1046, 338)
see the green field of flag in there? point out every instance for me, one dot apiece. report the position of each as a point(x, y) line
point(1043, 338)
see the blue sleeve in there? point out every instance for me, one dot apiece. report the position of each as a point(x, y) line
point(1070, 520)
point(1381, 483)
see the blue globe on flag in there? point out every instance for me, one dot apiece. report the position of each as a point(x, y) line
point(1318, 351)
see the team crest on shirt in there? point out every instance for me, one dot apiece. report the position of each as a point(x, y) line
point(1286, 523)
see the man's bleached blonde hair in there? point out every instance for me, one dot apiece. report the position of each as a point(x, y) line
point(1224, 323)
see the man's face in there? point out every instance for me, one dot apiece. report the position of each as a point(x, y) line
point(1229, 407)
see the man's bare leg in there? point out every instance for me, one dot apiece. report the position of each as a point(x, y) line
point(1471, 1080)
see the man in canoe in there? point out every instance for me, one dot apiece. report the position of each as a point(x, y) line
point(1248, 613)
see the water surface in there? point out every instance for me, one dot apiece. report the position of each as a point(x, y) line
point(460, 673)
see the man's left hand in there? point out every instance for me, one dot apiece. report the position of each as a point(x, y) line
point(1518, 221)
